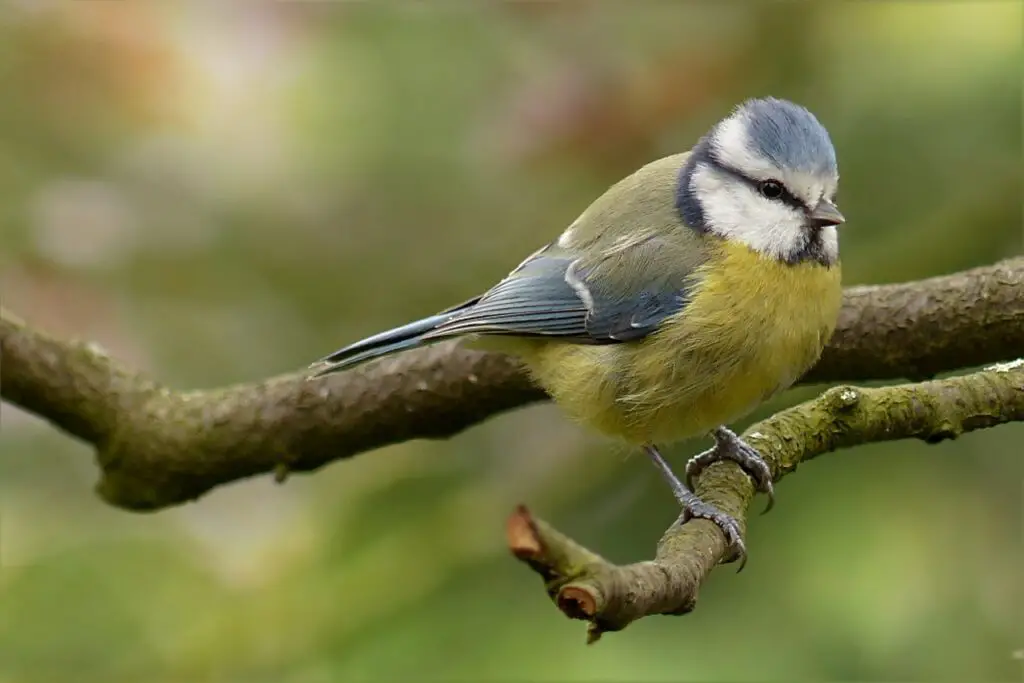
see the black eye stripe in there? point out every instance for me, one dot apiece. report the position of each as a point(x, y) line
point(786, 197)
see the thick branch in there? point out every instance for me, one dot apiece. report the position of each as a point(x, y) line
point(158, 447)
point(609, 596)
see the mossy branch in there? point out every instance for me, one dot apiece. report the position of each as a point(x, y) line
point(585, 586)
point(158, 447)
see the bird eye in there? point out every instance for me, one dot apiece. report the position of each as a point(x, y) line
point(771, 189)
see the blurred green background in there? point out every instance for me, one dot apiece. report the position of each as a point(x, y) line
point(221, 192)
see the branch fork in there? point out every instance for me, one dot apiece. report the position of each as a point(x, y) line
point(156, 447)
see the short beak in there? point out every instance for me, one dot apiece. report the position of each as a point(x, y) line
point(825, 214)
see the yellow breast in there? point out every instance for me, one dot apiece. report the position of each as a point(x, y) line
point(752, 328)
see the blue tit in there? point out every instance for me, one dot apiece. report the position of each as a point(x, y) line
point(686, 295)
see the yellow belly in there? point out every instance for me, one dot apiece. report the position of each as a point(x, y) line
point(752, 328)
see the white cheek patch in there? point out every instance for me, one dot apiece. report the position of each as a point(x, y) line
point(736, 211)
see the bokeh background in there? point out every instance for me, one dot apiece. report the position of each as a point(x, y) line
point(219, 192)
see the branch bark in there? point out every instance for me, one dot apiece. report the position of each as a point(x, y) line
point(157, 447)
point(586, 586)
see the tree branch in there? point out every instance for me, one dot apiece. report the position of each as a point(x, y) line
point(157, 447)
point(585, 586)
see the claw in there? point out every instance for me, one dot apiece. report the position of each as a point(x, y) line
point(729, 446)
point(694, 507)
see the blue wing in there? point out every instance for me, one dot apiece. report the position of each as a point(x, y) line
point(556, 294)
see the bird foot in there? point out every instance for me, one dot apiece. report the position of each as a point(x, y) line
point(694, 507)
point(729, 446)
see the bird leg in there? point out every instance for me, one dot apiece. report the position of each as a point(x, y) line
point(728, 446)
point(693, 507)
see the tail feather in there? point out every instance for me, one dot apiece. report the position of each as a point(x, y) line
point(392, 341)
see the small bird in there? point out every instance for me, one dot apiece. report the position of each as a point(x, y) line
point(687, 294)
